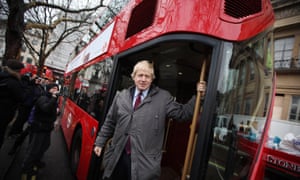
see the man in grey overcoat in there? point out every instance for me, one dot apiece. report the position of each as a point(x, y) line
point(141, 129)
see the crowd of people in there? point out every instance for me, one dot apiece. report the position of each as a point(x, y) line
point(29, 103)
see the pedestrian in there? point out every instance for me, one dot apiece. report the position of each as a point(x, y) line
point(136, 124)
point(25, 106)
point(11, 94)
point(45, 114)
point(35, 91)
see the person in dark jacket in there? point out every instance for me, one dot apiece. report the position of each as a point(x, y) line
point(11, 94)
point(25, 106)
point(34, 91)
point(45, 114)
point(137, 131)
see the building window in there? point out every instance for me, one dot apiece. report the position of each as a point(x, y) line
point(283, 49)
point(23, 48)
point(248, 103)
point(34, 42)
point(295, 109)
point(242, 74)
point(252, 71)
point(298, 59)
point(2, 47)
point(237, 108)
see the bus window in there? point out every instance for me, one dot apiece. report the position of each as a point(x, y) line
point(90, 87)
point(244, 82)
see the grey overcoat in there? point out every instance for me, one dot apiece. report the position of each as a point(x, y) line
point(146, 130)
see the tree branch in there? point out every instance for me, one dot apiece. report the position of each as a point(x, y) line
point(34, 25)
point(45, 4)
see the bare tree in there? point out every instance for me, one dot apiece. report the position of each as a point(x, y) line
point(53, 25)
point(14, 30)
point(50, 21)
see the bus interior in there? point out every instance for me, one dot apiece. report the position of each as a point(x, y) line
point(177, 67)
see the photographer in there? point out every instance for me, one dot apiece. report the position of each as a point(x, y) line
point(45, 114)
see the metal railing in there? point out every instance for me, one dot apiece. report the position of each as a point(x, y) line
point(287, 64)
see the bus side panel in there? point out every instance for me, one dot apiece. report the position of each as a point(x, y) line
point(73, 119)
point(67, 118)
point(89, 132)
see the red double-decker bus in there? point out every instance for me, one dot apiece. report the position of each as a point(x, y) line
point(226, 43)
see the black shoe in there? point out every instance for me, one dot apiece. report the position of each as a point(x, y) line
point(28, 177)
point(29, 174)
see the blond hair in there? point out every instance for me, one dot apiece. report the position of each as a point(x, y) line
point(143, 65)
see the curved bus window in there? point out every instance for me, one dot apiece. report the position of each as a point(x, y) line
point(89, 87)
point(244, 87)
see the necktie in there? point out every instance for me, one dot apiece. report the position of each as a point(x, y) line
point(138, 100)
point(136, 104)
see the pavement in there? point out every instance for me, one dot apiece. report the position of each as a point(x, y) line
point(56, 159)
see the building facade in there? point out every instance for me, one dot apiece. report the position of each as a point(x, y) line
point(286, 60)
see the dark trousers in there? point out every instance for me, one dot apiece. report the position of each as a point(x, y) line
point(5, 119)
point(20, 139)
point(3, 125)
point(40, 142)
point(22, 117)
point(123, 168)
